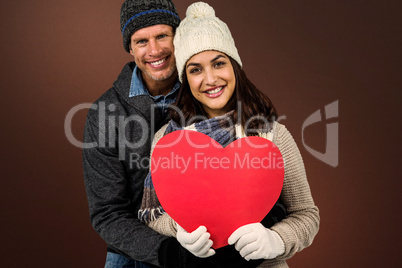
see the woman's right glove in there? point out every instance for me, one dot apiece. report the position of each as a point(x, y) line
point(197, 242)
point(254, 241)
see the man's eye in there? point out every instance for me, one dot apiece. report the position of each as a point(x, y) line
point(161, 36)
point(141, 42)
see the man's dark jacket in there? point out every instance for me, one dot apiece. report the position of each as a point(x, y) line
point(117, 136)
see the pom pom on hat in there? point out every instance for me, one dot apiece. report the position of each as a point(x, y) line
point(200, 31)
point(200, 9)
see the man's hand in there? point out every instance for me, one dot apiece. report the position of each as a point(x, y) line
point(254, 241)
point(197, 242)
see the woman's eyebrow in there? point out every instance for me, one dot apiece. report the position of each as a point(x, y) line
point(218, 57)
point(192, 64)
point(197, 64)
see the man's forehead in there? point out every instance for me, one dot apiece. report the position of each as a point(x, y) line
point(152, 31)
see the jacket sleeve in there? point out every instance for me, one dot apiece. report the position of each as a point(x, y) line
point(112, 212)
point(301, 225)
point(164, 224)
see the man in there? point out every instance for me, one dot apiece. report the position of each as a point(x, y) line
point(118, 134)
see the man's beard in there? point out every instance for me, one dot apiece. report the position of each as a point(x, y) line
point(165, 77)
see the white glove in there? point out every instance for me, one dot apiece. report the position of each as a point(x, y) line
point(197, 242)
point(254, 241)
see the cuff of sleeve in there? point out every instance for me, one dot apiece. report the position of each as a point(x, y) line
point(279, 243)
point(169, 253)
point(287, 238)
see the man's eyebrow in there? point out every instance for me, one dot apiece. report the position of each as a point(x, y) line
point(139, 39)
point(164, 32)
point(214, 59)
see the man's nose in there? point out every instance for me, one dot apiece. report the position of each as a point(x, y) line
point(154, 48)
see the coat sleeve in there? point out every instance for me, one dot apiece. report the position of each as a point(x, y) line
point(164, 224)
point(301, 225)
point(112, 212)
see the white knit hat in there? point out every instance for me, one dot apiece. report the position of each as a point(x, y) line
point(201, 31)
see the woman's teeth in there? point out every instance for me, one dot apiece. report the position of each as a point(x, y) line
point(216, 90)
point(157, 62)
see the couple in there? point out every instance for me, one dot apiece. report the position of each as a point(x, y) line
point(211, 87)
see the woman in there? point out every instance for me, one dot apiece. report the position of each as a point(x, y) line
point(215, 92)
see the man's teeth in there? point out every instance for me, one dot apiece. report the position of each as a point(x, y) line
point(216, 90)
point(158, 62)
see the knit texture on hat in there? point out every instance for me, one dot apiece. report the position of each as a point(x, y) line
point(138, 14)
point(201, 30)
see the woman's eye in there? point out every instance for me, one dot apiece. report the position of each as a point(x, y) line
point(219, 64)
point(194, 70)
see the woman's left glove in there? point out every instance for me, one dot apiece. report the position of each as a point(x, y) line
point(254, 241)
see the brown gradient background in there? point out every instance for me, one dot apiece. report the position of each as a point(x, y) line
point(303, 54)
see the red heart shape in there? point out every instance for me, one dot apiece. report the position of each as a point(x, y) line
point(198, 182)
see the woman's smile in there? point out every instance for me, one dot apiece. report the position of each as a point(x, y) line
point(215, 92)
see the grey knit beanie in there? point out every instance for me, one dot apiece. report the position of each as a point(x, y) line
point(138, 14)
point(201, 30)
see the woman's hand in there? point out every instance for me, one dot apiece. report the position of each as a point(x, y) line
point(197, 242)
point(254, 241)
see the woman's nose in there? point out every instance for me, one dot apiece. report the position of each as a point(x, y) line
point(210, 77)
